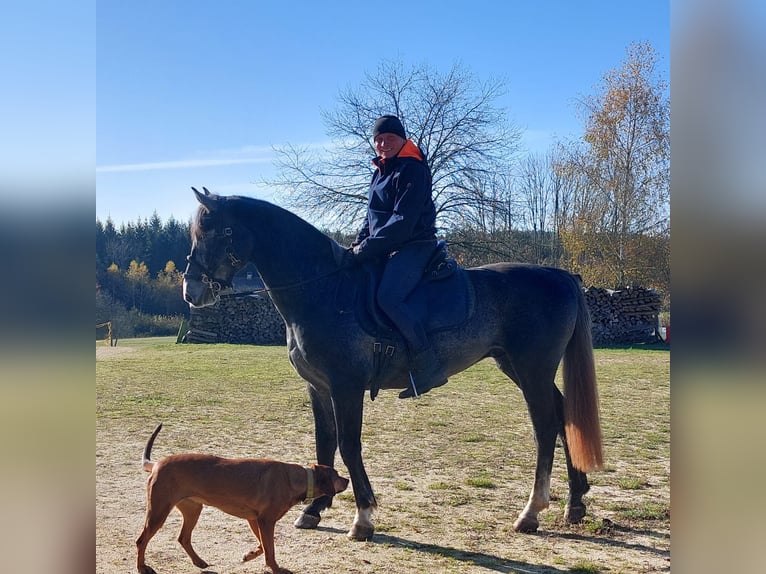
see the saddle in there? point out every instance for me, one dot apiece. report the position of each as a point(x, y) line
point(443, 300)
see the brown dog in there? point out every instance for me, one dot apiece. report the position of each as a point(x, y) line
point(260, 491)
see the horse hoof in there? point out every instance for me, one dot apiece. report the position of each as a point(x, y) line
point(361, 533)
point(574, 514)
point(307, 521)
point(526, 525)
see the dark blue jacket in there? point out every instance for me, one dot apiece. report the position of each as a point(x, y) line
point(400, 208)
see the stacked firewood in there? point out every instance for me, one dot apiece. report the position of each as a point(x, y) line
point(623, 316)
point(244, 319)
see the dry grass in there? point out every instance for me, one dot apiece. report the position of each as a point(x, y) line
point(451, 471)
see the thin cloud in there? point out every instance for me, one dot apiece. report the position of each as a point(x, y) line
point(180, 164)
point(244, 155)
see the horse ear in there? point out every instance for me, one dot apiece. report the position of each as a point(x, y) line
point(207, 199)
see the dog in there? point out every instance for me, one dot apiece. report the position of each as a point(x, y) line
point(259, 490)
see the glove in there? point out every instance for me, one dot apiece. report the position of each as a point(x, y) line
point(349, 259)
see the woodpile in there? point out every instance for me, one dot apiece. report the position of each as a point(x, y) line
point(623, 316)
point(239, 318)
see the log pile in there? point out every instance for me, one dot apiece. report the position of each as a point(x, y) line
point(623, 316)
point(241, 319)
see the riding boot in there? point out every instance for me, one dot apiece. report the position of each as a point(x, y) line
point(426, 373)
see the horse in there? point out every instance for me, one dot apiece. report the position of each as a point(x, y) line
point(528, 318)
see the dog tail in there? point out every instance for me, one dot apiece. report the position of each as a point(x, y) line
point(146, 462)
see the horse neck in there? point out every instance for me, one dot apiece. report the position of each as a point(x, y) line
point(287, 251)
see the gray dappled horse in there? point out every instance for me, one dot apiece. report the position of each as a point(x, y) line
point(526, 317)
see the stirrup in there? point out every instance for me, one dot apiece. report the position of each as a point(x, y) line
point(415, 394)
point(412, 390)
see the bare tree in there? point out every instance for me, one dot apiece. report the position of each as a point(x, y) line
point(486, 233)
point(452, 117)
point(535, 190)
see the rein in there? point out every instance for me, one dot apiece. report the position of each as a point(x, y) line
point(294, 285)
point(216, 286)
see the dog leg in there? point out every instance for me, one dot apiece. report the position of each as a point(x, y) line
point(190, 511)
point(252, 554)
point(155, 518)
point(258, 551)
point(266, 528)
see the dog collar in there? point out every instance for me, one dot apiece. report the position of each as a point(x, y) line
point(309, 486)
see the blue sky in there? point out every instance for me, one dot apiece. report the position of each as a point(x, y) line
point(196, 93)
point(47, 99)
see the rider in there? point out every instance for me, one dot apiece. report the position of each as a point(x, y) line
point(399, 228)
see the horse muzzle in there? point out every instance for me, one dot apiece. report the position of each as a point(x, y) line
point(198, 294)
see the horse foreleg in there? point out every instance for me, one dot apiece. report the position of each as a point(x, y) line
point(326, 445)
point(363, 527)
point(348, 416)
point(578, 481)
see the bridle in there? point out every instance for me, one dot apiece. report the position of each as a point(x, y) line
point(197, 271)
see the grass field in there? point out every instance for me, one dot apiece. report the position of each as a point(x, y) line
point(451, 471)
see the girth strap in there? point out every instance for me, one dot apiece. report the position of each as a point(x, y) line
point(380, 360)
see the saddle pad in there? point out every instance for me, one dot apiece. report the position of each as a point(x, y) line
point(439, 305)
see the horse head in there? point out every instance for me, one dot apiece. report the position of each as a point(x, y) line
point(219, 249)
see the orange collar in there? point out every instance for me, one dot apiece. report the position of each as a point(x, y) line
point(409, 149)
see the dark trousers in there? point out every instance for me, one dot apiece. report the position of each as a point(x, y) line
point(402, 273)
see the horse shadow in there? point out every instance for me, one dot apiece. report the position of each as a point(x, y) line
point(498, 563)
point(480, 559)
point(607, 541)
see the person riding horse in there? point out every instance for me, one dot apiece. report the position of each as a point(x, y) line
point(399, 229)
point(530, 319)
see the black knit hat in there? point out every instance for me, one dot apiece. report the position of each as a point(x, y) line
point(388, 125)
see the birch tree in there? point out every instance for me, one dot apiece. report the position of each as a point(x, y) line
point(624, 162)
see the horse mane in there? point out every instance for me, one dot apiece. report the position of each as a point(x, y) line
point(196, 224)
point(238, 206)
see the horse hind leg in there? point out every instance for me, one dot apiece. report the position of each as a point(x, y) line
point(578, 481)
point(545, 435)
point(539, 498)
point(537, 386)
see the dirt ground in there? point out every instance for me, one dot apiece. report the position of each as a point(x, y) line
point(427, 520)
point(406, 547)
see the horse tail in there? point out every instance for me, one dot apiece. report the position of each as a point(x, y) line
point(581, 417)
